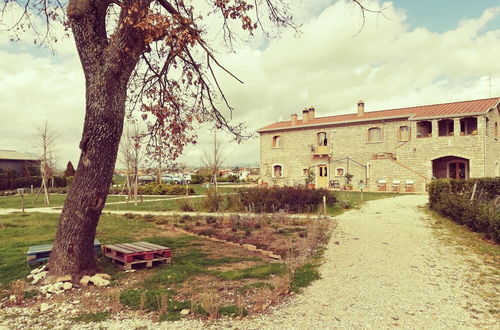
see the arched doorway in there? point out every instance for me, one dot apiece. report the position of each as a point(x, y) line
point(452, 167)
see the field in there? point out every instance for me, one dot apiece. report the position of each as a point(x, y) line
point(210, 278)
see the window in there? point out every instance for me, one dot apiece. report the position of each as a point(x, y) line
point(305, 172)
point(277, 141)
point(468, 126)
point(374, 134)
point(404, 133)
point(323, 171)
point(322, 139)
point(496, 129)
point(446, 127)
point(339, 171)
point(424, 129)
point(277, 171)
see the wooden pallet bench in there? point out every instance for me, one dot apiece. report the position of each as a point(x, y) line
point(137, 255)
point(40, 253)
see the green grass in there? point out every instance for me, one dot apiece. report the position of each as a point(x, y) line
point(20, 231)
point(304, 276)
point(259, 271)
point(481, 254)
point(91, 317)
point(56, 200)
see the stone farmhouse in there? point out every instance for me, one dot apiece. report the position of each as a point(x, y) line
point(389, 150)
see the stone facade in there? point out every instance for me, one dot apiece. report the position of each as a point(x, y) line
point(396, 153)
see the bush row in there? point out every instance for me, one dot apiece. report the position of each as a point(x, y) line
point(288, 199)
point(12, 183)
point(155, 188)
point(452, 198)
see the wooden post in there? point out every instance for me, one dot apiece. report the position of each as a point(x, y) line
point(473, 191)
point(21, 193)
point(324, 206)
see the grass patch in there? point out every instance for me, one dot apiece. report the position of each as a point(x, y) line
point(56, 200)
point(259, 271)
point(482, 255)
point(24, 230)
point(92, 317)
point(252, 286)
point(304, 276)
point(232, 311)
point(170, 317)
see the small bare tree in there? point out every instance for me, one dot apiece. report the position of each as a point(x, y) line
point(45, 139)
point(213, 159)
point(131, 155)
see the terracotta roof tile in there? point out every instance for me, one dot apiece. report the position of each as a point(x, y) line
point(419, 112)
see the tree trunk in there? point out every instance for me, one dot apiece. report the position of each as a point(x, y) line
point(73, 247)
point(107, 64)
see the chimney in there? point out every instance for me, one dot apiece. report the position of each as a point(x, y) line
point(294, 119)
point(361, 108)
point(305, 115)
point(311, 113)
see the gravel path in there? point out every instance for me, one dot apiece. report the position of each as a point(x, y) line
point(384, 268)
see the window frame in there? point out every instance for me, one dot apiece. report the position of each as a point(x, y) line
point(400, 135)
point(274, 171)
point(337, 171)
point(277, 142)
point(320, 141)
point(369, 135)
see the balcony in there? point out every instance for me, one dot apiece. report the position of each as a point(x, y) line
point(320, 151)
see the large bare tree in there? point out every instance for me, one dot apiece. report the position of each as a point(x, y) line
point(153, 55)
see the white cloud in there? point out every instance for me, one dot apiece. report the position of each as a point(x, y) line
point(387, 64)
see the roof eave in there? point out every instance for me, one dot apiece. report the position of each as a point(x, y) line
point(337, 123)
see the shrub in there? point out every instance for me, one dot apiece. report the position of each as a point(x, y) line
point(451, 198)
point(289, 199)
point(213, 201)
point(197, 179)
point(185, 205)
point(155, 188)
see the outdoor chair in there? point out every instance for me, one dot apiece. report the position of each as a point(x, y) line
point(409, 185)
point(396, 185)
point(382, 185)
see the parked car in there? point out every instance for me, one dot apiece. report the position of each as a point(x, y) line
point(146, 179)
point(172, 179)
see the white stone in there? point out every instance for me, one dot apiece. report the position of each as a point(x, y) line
point(98, 281)
point(37, 277)
point(67, 286)
point(38, 270)
point(44, 307)
point(185, 311)
point(104, 276)
point(58, 286)
point(12, 298)
point(85, 280)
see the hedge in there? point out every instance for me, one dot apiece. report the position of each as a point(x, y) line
point(11, 183)
point(288, 199)
point(155, 188)
point(452, 198)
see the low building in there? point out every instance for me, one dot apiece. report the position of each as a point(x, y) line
point(399, 149)
point(24, 164)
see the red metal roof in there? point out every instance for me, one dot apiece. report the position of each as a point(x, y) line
point(420, 112)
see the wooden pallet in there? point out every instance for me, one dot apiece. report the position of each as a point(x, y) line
point(137, 255)
point(40, 253)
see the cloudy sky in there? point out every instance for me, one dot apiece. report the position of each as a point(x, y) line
point(417, 52)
